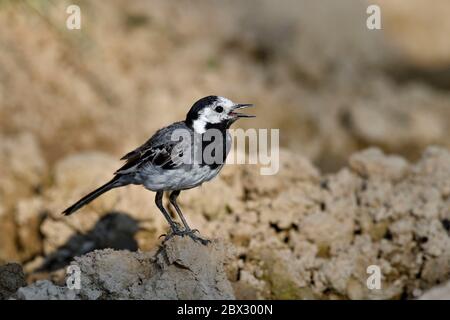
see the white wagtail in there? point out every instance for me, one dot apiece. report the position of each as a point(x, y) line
point(165, 164)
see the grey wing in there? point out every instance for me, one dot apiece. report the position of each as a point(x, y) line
point(160, 151)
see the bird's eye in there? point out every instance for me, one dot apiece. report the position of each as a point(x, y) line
point(219, 109)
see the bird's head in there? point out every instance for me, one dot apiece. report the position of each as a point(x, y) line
point(214, 111)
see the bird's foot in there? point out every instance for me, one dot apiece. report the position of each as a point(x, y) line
point(190, 233)
point(174, 231)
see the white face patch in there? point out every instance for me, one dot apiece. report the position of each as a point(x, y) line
point(199, 126)
point(211, 114)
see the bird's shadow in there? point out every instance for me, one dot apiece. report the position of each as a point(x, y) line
point(115, 230)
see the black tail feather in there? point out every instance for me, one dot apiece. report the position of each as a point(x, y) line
point(114, 183)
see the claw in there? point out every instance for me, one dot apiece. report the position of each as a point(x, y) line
point(204, 242)
point(166, 236)
point(189, 233)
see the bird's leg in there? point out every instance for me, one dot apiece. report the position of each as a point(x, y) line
point(159, 204)
point(187, 231)
point(173, 200)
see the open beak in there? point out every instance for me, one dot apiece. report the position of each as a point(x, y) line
point(241, 106)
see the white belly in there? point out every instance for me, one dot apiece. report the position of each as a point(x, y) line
point(156, 179)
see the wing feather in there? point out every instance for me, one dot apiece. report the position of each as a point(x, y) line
point(160, 151)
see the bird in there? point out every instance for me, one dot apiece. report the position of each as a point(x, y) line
point(164, 164)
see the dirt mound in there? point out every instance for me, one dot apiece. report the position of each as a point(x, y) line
point(300, 234)
point(181, 269)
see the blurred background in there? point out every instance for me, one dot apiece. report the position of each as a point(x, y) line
point(312, 68)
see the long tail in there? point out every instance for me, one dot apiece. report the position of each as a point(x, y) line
point(114, 183)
